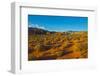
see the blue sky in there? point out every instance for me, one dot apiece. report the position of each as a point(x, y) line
point(58, 23)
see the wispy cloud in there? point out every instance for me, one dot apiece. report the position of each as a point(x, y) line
point(37, 26)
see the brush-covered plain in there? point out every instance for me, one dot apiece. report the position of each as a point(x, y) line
point(49, 45)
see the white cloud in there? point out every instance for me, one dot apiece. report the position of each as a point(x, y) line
point(37, 26)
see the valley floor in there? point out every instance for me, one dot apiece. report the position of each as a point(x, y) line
point(66, 45)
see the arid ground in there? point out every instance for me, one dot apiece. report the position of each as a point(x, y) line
point(50, 45)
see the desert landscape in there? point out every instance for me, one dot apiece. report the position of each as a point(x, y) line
point(57, 37)
point(49, 45)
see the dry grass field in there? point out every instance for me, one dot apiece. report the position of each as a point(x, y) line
point(43, 45)
point(46, 45)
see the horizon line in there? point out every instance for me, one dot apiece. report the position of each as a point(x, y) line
point(61, 31)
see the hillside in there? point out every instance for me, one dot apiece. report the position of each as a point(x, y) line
point(47, 45)
point(36, 31)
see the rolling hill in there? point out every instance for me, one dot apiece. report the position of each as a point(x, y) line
point(48, 45)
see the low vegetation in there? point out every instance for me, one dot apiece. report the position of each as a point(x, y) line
point(45, 45)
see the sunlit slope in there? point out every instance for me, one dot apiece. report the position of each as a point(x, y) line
point(45, 45)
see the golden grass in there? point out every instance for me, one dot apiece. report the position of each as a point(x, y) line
point(69, 45)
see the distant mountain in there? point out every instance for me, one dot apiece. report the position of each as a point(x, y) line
point(32, 30)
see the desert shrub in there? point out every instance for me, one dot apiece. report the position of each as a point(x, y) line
point(45, 47)
point(58, 45)
point(30, 50)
